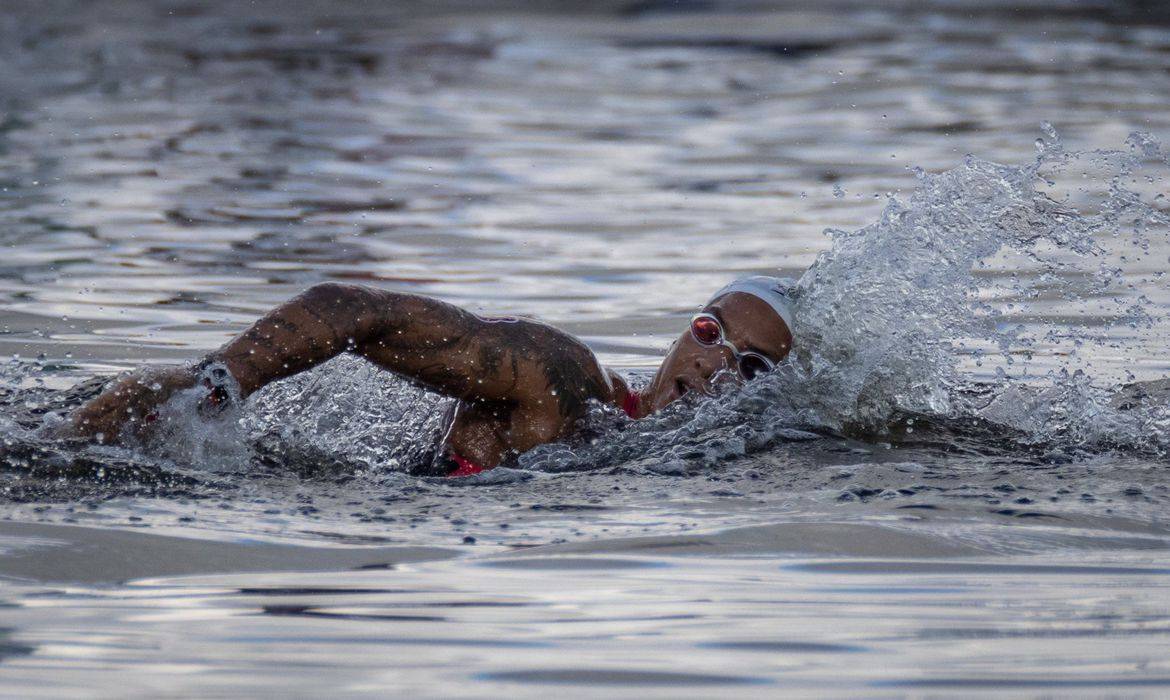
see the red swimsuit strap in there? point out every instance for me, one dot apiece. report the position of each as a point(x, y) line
point(466, 466)
point(630, 405)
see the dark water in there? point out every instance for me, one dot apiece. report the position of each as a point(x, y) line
point(949, 508)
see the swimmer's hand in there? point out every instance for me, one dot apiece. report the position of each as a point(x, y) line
point(126, 405)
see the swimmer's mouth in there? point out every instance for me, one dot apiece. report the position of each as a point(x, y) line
point(680, 388)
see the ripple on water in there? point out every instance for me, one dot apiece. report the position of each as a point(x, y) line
point(900, 568)
point(785, 647)
point(1024, 683)
point(618, 677)
point(572, 563)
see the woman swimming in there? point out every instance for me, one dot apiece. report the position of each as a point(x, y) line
point(519, 383)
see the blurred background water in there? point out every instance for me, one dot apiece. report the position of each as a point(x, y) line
point(171, 170)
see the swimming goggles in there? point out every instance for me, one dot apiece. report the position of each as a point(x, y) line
point(708, 331)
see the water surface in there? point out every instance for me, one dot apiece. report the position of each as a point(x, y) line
point(945, 507)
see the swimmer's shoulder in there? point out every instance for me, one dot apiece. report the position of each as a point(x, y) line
point(561, 358)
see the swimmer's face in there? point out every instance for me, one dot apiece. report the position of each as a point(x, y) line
point(749, 324)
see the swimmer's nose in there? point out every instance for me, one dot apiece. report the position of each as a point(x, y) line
point(709, 362)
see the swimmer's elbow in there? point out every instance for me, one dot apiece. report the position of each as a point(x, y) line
point(344, 301)
point(334, 295)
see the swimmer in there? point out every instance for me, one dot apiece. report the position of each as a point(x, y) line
point(518, 383)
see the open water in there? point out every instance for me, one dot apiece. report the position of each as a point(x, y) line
point(957, 485)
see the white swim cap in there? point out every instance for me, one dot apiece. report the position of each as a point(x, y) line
point(773, 290)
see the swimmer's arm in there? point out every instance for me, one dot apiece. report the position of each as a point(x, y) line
point(429, 342)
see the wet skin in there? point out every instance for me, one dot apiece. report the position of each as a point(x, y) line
point(519, 383)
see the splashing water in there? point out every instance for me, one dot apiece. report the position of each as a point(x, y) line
point(884, 313)
point(350, 409)
point(889, 315)
point(346, 415)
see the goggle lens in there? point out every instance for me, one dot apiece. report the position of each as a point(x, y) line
point(706, 330)
point(752, 365)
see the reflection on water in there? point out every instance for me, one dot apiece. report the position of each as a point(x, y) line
point(169, 171)
point(659, 625)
